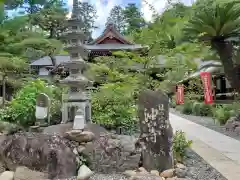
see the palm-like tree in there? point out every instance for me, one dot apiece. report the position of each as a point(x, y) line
point(219, 24)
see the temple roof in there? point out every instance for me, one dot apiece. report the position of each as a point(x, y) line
point(111, 32)
point(114, 47)
point(46, 61)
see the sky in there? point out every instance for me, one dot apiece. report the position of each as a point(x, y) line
point(104, 7)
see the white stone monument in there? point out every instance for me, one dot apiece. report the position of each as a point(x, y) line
point(42, 109)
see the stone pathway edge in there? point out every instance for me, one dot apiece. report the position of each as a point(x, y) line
point(229, 168)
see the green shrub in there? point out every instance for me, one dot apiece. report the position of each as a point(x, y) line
point(113, 106)
point(196, 109)
point(187, 107)
point(180, 144)
point(21, 110)
point(221, 114)
point(206, 110)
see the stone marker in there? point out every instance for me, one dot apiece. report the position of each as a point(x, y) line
point(156, 131)
point(42, 108)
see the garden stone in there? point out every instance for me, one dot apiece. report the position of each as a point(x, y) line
point(181, 166)
point(156, 131)
point(84, 173)
point(154, 172)
point(80, 136)
point(180, 173)
point(80, 149)
point(168, 173)
point(7, 175)
point(237, 130)
point(59, 129)
point(130, 173)
point(109, 155)
point(23, 173)
point(51, 154)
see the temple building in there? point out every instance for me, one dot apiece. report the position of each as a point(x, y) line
point(110, 40)
point(222, 90)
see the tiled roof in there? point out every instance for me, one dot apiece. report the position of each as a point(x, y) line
point(46, 61)
point(113, 46)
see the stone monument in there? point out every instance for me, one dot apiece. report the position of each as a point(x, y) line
point(156, 132)
point(77, 99)
point(42, 109)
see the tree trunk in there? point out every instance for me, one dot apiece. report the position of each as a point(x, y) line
point(4, 90)
point(225, 51)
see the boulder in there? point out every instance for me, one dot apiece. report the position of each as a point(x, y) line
point(59, 129)
point(95, 129)
point(80, 136)
point(84, 173)
point(169, 173)
point(24, 173)
point(109, 155)
point(7, 175)
point(40, 152)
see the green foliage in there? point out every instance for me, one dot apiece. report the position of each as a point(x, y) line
point(21, 110)
point(222, 114)
point(180, 144)
point(113, 106)
point(206, 110)
point(196, 109)
point(187, 107)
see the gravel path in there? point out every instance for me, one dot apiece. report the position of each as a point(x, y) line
point(199, 169)
point(207, 122)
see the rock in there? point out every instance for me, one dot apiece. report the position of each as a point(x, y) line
point(84, 173)
point(80, 136)
point(154, 172)
point(2, 167)
point(172, 178)
point(229, 125)
point(95, 129)
point(45, 153)
point(169, 173)
point(7, 175)
point(130, 173)
point(80, 149)
point(156, 131)
point(117, 157)
point(145, 177)
point(142, 169)
point(59, 129)
point(23, 173)
point(181, 166)
point(237, 130)
point(180, 173)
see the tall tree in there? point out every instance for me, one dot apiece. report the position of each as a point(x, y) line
point(133, 18)
point(52, 20)
point(117, 18)
point(89, 15)
point(219, 25)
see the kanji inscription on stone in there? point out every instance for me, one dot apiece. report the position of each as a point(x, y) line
point(156, 131)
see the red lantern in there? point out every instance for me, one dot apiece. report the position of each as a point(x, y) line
point(180, 94)
point(206, 80)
